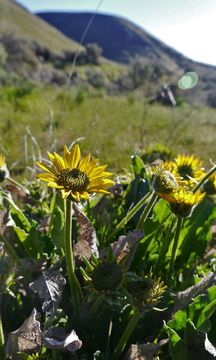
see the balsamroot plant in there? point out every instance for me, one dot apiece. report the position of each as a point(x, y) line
point(99, 266)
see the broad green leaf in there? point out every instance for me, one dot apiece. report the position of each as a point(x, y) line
point(177, 348)
point(17, 214)
point(31, 240)
point(203, 323)
point(161, 211)
point(137, 165)
point(212, 293)
point(179, 321)
point(196, 231)
point(57, 233)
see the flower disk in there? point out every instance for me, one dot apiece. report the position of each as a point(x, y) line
point(188, 168)
point(107, 276)
point(75, 177)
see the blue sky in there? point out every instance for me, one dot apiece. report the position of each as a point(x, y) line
point(187, 25)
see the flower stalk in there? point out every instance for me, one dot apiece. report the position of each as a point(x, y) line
point(203, 180)
point(16, 183)
point(76, 292)
point(175, 244)
point(147, 210)
point(126, 334)
point(131, 213)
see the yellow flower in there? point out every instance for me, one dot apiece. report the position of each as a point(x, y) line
point(75, 177)
point(188, 168)
point(182, 202)
point(4, 173)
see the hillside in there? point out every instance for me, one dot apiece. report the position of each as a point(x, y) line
point(121, 40)
point(16, 19)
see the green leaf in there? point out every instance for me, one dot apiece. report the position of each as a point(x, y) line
point(177, 348)
point(196, 231)
point(137, 165)
point(57, 233)
point(161, 211)
point(212, 293)
point(179, 321)
point(18, 216)
point(203, 323)
point(31, 240)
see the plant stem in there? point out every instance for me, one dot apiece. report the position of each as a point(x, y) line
point(126, 334)
point(95, 307)
point(175, 245)
point(203, 180)
point(76, 292)
point(2, 353)
point(131, 213)
point(55, 354)
point(16, 183)
point(147, 210)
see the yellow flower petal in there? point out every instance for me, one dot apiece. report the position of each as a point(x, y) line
point(101, 182)
point(66, 156)
point(97, 170)
point(46, 177)
point(76, 195)
point(101, 175)
point(58, 162)
point(51, 156)
point(84, 195)
point(54, 185)
point(92, 165)
point(65, 194)
point(74, 157)
point(83, 164)
point(98, 190)
point(46, 168)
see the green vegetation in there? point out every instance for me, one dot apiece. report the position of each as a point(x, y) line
point(111, 127)
point(134, 279)
point(129, 273)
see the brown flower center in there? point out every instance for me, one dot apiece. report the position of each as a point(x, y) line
point(73, 180)
point(185, 171)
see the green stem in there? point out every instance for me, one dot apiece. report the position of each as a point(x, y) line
point(55, 354)
point(16, 183)
point(126, 334)
point(95, 307)
point(76, 292)
point(2, 353)
point(131, 213)
point(203, 180)
point(147, 210)
point(175, 245)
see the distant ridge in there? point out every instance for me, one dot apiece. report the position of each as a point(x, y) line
point(122, 40)
point(119, 38)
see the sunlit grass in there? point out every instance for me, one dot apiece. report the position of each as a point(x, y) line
point(110, 127)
